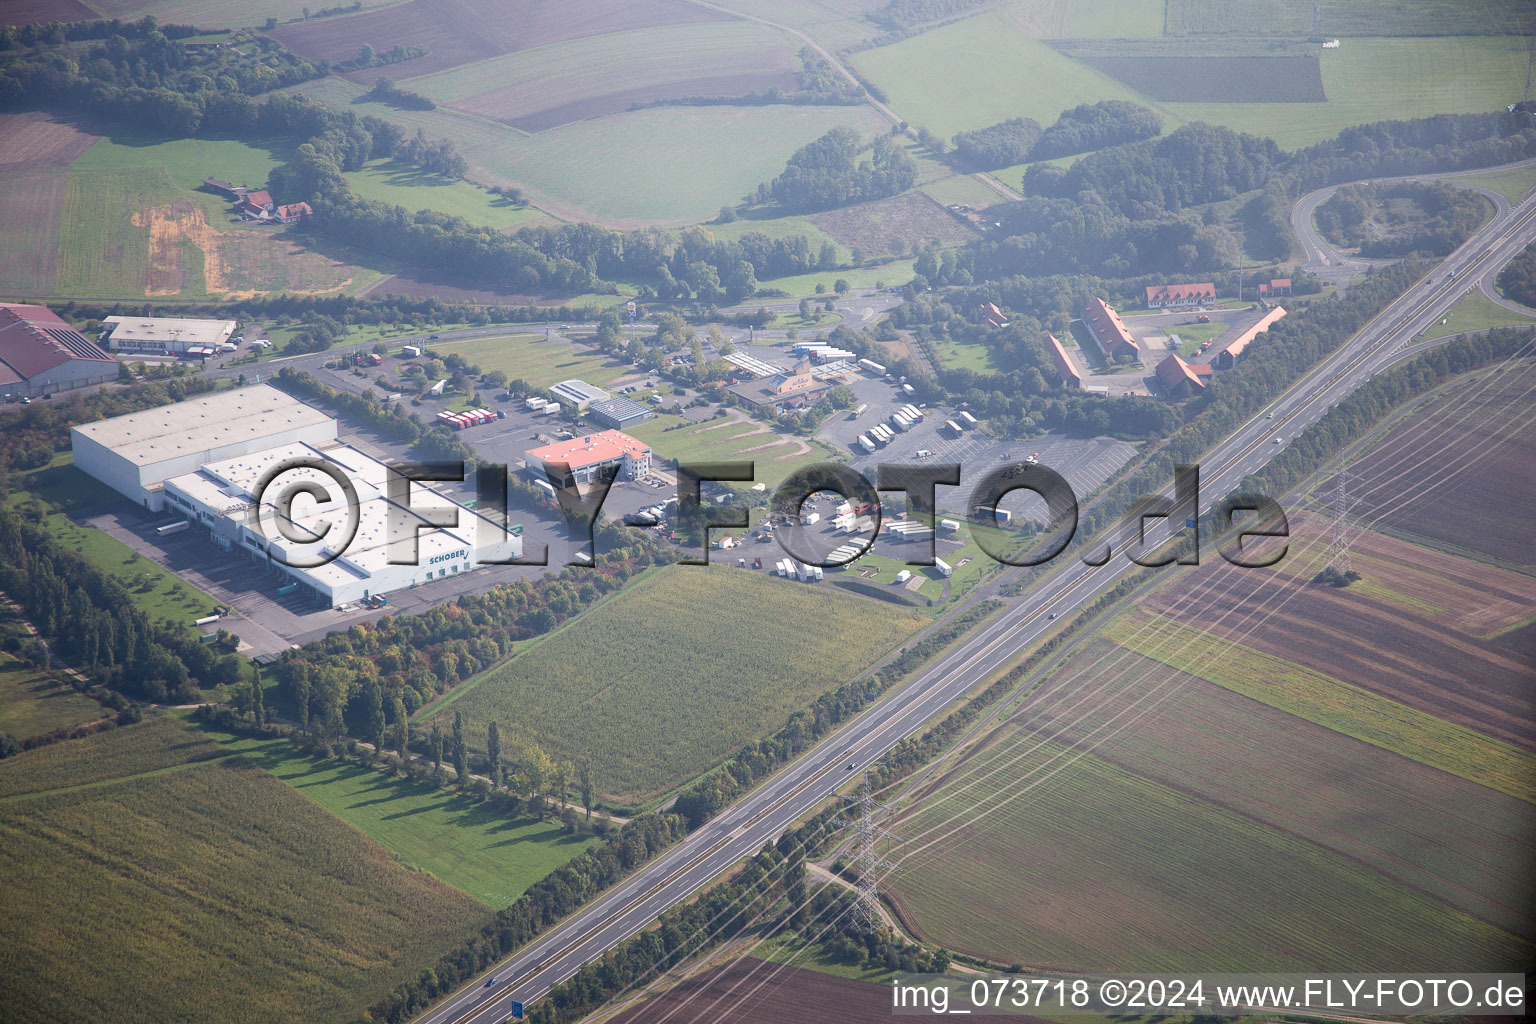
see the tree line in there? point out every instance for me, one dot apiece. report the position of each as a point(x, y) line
point(826, 173)
point(1086, 127)
point(1518, 278)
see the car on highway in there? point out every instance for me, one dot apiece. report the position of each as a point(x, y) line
point(489, 982)
point(1279, 440)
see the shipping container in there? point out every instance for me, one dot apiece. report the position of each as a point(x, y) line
point(410, 352)
point(953, 427)
point(903, 576)
point(909, 389)
point(866, 444)
point(812, 519)
point(166, 531)
point(943, 567)
point(949, 525)
point(967, 419)
point(873, 367)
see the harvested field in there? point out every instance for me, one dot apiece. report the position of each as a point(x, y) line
point(1059, 859)
point(215, 892)
point(551, 85)
point(739, 650)
point(1461, 843)
point(35, 154)
point(893, 225)
point(27, 12)
point(417, 286)
point(33, 703)
point(460, 31)
point(149, 747)
point(1219, 79)
point(736, 992)
point(1483, 443)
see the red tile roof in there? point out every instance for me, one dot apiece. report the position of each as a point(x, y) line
point(1180, 293)
point(294, 210)
point(1064, 365)
point(33, 340)
point(1173, 371)
point(592, 449)
point(1234, 351)
point(262, 198)
point(1107, 327)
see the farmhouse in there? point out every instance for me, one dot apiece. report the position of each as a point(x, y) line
point(291, 213)
point(1179, 379)
point(1234, 351)
point(1109, 331)
point(619, 413)
point(989, 314)
point(135, 454)
point(788, 388)
point(40, 354)
point(581, 459)
point(165, 335)
point(1161, 296)
point(1276, 286)
point(256, 205)
point(578, 393)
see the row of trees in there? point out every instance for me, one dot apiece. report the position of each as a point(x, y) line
point(1086, 127)
point(91, 621)
point(1518, 278)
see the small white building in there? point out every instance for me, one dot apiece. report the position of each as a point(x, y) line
point(154, 335)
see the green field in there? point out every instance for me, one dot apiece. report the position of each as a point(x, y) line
point(155, 745)
point(1384, 79)
point(33, 703)
point(1192, 336)
point(966, 355)
point(1513, 185)
point(980, 71)
point(186, 162)
point(213, 892)
point(675, 673)
point(964, 188)
point(668, 165)
point(1340, 706)
point(456, 840)
point(1086, 866)
point(1477, 312)
point(1115, 19)
point(531, 358)
point(886, 275)
point(776, 453)
point(158, 592)
point(409, 186)
point(585, 72)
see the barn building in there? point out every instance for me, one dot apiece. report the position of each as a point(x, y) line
point(1066, 373)
point(41, 354)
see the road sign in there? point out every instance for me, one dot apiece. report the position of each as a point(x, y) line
point(517, 1010)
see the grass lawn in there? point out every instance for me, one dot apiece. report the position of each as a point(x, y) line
point(966, 355)
point(1381, 79)
point(1513, 185)
point(156, 591)
point(451, 837)
point(33, 703)
point(1477, 312)
point(1115, 19)
point(208, 891)
point(531, 358)
point(1192, 336)
point(409, 186)
point(963, 188)
point(886, 275)
point(675, 673)
point(982, 70)
point(776, 453)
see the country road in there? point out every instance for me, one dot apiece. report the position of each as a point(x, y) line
point(799, 788)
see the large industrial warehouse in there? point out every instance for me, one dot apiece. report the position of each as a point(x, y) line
point(177, 336)
point(205, 458)
point(40, 354)
point(136, 453)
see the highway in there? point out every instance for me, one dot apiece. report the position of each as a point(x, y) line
point(799, 788)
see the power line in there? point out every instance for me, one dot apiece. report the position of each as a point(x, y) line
point(866, 832)
point(1338, 550)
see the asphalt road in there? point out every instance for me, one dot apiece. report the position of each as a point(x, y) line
point(775, 805)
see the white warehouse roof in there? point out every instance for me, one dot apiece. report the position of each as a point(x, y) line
point(181, 331)
point(578, 392)
point(205, 423)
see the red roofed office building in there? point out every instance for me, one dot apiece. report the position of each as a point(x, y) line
point(1113, 337)
point(589, 454)
point(1202, 294)
point(40, 354)
point(1179, 378)
point(1065, 371)
point(989, 314)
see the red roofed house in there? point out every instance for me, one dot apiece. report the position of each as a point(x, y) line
point(292, 213)
point(588, 455)
point(990, 315)
point(1202, 294)
point(1113, 338)
point(1276, 286)
point(256, 206)
point(1178, 378)
point(1065, 371)
point(41, 354)
point(1229, 356)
